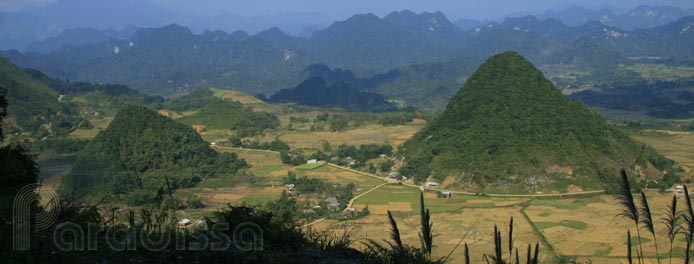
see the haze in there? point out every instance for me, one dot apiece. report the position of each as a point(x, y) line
point(454, 9)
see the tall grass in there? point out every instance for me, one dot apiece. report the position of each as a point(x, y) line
point(676, 222)
point(426, 234)
point(672, 222)
point(688, 218)
point(629, 247)
point(629, 209)
point(647, 222)
point(395, 251)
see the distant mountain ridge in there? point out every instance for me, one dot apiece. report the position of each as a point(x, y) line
point(640, 17)
point(172, 60)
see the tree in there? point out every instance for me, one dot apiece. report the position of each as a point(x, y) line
point(235, 141)
point(338, 124)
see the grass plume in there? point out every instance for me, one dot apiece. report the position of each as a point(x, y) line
point(629, 209)
point(646, 219)
point(672, 222)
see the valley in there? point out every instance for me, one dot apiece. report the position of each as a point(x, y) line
point(563, 136)
point(582, 227)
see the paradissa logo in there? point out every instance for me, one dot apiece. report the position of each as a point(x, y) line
point(24, 201)
point(68, 236)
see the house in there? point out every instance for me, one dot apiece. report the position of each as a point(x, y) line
point(383, 156)
point(393, 175)
point(446, 193)
point(293, 192)
point(679, 190)
point(184, 222)
point(308, 211)
point(290, 186)
point(313, 161)
point(213, 143)
point(432, 184)
point(332, 203)
point(347, 213)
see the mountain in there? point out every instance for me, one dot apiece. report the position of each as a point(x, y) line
point(584, 53)
point(576, 16)
point(467, 24)
point(649, 17)
point(434, 24)
point(509, 127)
point(172, 60)
point(33, 105)
point(316, 92)
point(25, 26)
point(212, 112)
point(79, 36)
point(369, 43)
point(640, 17)
point(141, 152)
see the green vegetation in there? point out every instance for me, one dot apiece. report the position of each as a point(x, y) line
point(310, 166)
point(217, 113)
point(316, 92)
point(142, 152)
point(565, 223)
point(34, 106)
point(508, 120)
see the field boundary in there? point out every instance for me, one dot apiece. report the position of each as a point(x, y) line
point(554, 195)
point(247, 149)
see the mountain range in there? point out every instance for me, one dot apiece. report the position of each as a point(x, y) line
point(640, 17)
point(21, 28)
point(390, 55)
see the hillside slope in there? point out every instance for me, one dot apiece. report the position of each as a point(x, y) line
point(139, 149)
point(34, 106)
point(510, 127)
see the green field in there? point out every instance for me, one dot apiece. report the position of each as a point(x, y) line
point(310, 166)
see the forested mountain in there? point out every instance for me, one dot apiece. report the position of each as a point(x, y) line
point(212, 112)
point(510, 125)
point(139, 152)
point(583, 53)
point(42, 106)
point(34, 106)
point(316, 92)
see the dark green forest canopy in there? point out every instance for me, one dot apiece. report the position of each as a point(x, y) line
point(218, 113)
point(508, 120)
point(315, 91)
point(141, 149)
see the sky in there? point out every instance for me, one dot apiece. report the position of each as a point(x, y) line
point(488, 9)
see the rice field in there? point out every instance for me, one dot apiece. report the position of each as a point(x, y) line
point(676, 145)
point(369, 134)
